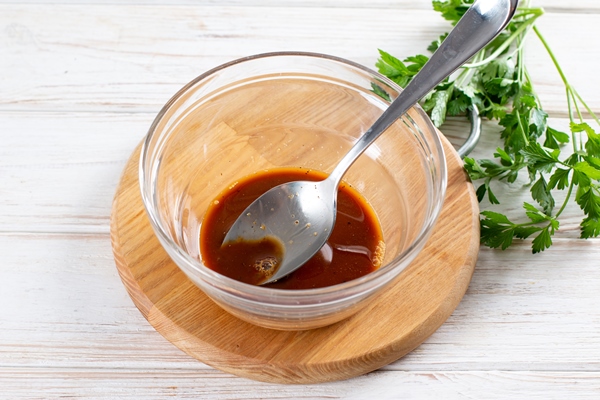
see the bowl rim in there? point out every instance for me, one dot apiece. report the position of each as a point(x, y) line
point(249, 292)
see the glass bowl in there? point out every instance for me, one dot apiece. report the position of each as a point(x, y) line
point(289, 110)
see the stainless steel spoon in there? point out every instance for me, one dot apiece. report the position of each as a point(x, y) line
point(301, 215)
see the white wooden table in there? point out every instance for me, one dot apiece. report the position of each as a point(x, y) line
point(80, 83)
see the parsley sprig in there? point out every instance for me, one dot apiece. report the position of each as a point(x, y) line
point(496, 80)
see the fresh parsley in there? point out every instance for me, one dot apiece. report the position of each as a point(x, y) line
point(496, 80)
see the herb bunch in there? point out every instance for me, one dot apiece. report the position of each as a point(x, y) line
point(496, 80)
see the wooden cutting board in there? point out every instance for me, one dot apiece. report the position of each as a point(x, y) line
point(411, 309)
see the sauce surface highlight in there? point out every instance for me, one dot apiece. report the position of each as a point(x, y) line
point(355, 247)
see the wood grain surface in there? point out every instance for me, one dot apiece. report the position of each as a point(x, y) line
point(81, 82)
point(415, 305)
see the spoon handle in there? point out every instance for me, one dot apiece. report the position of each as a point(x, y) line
point(484, 20)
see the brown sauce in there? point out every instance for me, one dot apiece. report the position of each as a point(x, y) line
point(355, 247)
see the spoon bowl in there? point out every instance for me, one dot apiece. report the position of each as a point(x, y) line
point(300, 215)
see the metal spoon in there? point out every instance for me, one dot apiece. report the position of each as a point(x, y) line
point(300, 215)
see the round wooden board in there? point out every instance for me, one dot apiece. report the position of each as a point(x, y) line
point(411, 309)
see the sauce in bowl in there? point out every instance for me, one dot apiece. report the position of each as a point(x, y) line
point(354, 249)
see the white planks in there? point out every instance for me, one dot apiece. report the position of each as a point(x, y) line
point(70, 329)
point(80, 83)
point(532, 312)
point(67, 308)
point(59, 171)
point(550, 5)
point(478, 385)
point(186, 384)
point(132, 58)
point(136, 57)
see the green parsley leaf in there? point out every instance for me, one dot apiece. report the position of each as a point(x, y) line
point(452, 10)
point(559, 179)
point(496, 230)
point(473, 168)
point(590, 171)
point(544, 240)
point(541, 193)
point(540, 158)
point(555, 138)
point(590, 227)
point(534, 214)
point(379, 91)
point(589, 202)
point(437, 105)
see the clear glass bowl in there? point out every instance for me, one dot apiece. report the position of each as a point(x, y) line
point(280, 110)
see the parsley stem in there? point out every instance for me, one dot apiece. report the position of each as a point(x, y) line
point(589, 110)
point(522, 128)
point(567, 198)
point(572, 101)
point(551, 54)
point(522, 12)
point(571, 98)
point(505, 44)
point(521, 64)
point(528, 78)
point(575, 103)
point(570, 111)
point(463, 77)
